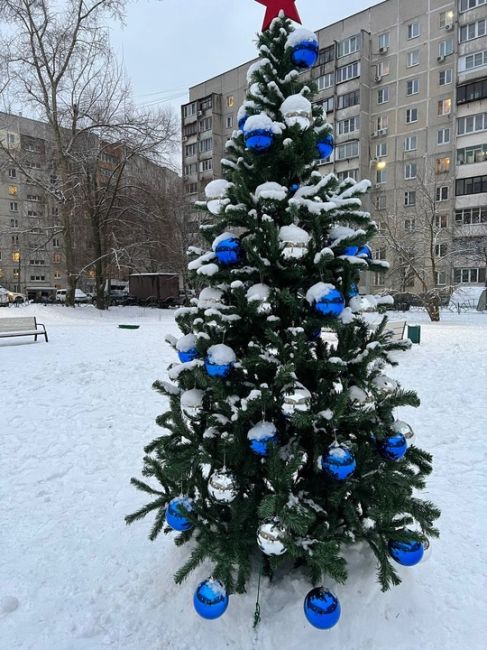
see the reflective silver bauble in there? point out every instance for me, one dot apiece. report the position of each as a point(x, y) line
point(269, 539)
point(222, 486)
point(403, 427)
point(385, 383)
point(191, 404)
point(298, 399)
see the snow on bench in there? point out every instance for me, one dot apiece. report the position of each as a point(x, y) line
point(22, 326)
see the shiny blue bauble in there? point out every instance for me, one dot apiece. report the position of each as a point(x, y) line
point(325, 147)
point(262, 447)
point(322, 608)
point(305, 54)
point(407, 553)
point(188, 355)
point(215, 370)
point(316, 335)
point(393, 447)
point(175, 514)
point(293, 188)
point(332, 304)
point(259, 140)
point(365, 251)
point(210, 599)
point(353, 290)
point(241, 122)
point(229, 251)
point(351, 251)
point(338, 463)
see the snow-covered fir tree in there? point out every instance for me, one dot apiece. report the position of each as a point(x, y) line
point(280, 447)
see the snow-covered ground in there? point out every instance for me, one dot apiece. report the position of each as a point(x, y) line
point(74, 416)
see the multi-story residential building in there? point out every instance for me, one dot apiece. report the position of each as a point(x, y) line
point(404, 85)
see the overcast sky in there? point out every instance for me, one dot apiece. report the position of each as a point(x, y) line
point(170, 45)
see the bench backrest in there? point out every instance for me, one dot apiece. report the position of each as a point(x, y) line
point(397, 328)
point(18, 324)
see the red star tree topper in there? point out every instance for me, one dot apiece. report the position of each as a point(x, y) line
point(275, 6)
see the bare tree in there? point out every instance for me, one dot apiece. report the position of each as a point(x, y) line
point(61, 67)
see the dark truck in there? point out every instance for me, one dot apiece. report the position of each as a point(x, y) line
point(154, 289)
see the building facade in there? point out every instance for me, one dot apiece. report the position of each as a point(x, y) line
point(405, 86)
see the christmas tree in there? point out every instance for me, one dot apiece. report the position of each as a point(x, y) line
point(280, 448)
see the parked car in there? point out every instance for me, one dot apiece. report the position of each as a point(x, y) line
point(80, 297)
point(4, 301)
point(17, 298)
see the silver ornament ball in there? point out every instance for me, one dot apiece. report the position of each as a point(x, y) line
point(403, 427)
point(269, 538)
point(222, 486)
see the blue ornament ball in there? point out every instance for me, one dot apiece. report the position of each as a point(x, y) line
point(219, 361)
point(365, 251)
point(241, 121)
point(393, 447)
point(305, 54)
point(175, 516)
point(331, 304)
point(185, 356)
point(259, 140)
point(210, 599)
point(261, 438)
point(338, 462)
point(351, 251)
point(353, 290)
point(407, 553)
point(322, 608)
point(229, 251)
point(325, 146)
point(294, 187)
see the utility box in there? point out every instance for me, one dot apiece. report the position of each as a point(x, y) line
point(414, 333)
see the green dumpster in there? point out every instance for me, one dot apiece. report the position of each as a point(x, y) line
point(414, 333)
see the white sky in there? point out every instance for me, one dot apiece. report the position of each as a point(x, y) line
point(170, 45)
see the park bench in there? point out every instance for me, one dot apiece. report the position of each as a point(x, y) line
point(22, 326)
point(398, 329)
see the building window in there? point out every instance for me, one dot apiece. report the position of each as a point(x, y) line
point(472, 185)
point(57, 275)
point(442, 193)
point(15, 256)
point(37, 278)
point(206, 124)
point(14, 206)
point(442, 165)
point(410, 225)
point(384, 41)
point(381, 176)
point(349, 173)
point(472, 92)
point(440, 278)
point(326, 81)
point(189, 110)
point(471, 216)
point(383, 95)
point(379, 280)
point(381, 122)
point(191, 169)
point(473, 30)
point(446, 77)
point(441, 250)
point(37, 262)
point(347, 72)
point(34, 197)
point(328, 105)
point(206, 104)
point(230, 101)
point(409, 171)
point(206, 165)
point(445, 48)
point(14, 223)
point(444, 106)
point(383, 69)
point(412, 87)
point(191, 188)
point(409, 199)
point(347, 150)
point(470, 155)
point(229, 121)
point(12, 190)
point(412, 58)
point(472, 123)
point(411, 115)
point(56, 242)
point(441, 221)
point(349, 125)
point(380, 253)
point(206, 145)
point(349, 46)
point(410, 143)
point(469, 276)
point(472, 61)
point(413, 30)
point(381, 150)
point(56, 258)
point(326, 55)
point(12, 172)
point(443, 136)
point(465, 5)
point(381, 202)
point(190, 129)
point(191, 150)
point(349, 99)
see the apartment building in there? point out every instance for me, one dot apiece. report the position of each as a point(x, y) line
point(404, 85)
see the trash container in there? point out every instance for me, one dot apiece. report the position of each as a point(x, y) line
point(414, 333)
